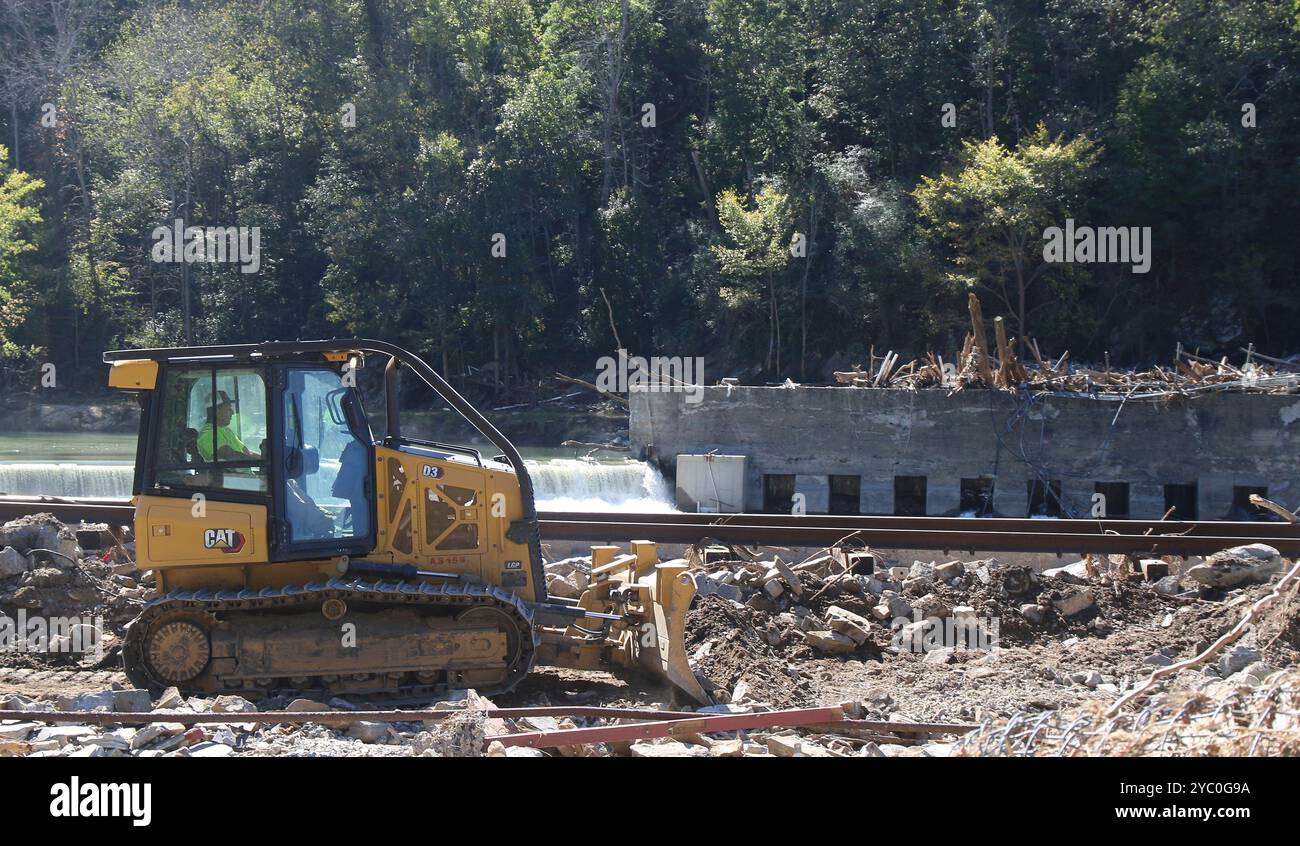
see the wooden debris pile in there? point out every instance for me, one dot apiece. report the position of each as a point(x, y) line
point(980, 365)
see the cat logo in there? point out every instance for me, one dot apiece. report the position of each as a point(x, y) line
point(226, 540)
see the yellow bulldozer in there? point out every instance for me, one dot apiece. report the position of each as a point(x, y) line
point(296, 551)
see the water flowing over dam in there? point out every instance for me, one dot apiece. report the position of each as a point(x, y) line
point(562, 484)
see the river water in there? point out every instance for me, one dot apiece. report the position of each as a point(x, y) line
point(101, 465)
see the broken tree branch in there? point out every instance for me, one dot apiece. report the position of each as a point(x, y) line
point(571, 380)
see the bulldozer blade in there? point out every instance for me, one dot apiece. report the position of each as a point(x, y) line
point(663, 649)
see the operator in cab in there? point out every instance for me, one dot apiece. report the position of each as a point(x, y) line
point(218, 433)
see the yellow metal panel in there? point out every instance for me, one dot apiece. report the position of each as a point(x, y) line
point(136, 374)
point(169, 534)
point(452, 517)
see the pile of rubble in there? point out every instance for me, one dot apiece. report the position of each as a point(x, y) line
point(225, 726)
point(957, 639)
point(461, 734)
point(45, 573)
point(921, 659)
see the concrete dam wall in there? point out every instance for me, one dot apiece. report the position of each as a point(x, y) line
point(872, 451)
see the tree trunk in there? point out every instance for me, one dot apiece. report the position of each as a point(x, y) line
point(13, 118)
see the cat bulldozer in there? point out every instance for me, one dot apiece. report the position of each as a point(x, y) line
point(296, 551)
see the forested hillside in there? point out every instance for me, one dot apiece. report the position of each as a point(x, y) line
point(777, 185)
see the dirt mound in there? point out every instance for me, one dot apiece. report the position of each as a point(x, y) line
point(728, 649)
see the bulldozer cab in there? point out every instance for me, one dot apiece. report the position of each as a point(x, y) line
point(271, 444)
point(291, 437)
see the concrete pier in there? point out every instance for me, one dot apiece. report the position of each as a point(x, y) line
point(1202, 455)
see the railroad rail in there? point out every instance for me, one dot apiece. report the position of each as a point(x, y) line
point(994, 534)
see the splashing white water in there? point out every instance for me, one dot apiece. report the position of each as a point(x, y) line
point(67, 479)
point(561, 484)
point(567, 484)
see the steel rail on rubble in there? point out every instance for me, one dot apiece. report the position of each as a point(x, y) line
point(937, 533)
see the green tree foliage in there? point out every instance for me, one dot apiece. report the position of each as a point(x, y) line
point(19, 215)
point(995, 206)
point(751, 268)
point(476, 179)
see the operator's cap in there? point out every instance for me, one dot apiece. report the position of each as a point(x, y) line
point(222, 399)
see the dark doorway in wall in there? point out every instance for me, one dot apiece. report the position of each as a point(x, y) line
point(976, 497)
point(1181, 498)
point(909, 496)
point(846, 494)
point(1242, 508)
point(778, 493)
point(1116, 499)
point(1044, 498)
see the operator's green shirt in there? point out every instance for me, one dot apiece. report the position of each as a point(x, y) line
point(225, 438)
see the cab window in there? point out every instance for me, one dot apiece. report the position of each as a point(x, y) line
point(326, 457)
point(212, 430)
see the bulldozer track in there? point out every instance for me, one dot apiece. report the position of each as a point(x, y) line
point(452, 597)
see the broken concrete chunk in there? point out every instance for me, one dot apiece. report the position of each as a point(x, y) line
point(211, 750)
point(170, 699)
point(949, 570)
point(784, 745)
point(940, 656)
point(134, 700)
point(1238, 659)
point(828, 641)
point(931, 606)
point(790, 576)
point(1033, 614)
point(101, 701)
point(151, 732)
point(1087, 678)
point(899, 607)
point(369, 731)
point(705, 585)
point(41, 531)
point(563, 587)
point(1169, 586)
point(17, 731)
point(1254, 562)
point(232, 705)
point(1074, 602)
point(301, 705)
point(669, 749)
point(917, 585)
point(12, 563)
point(855, 626)
point(1076, 573)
